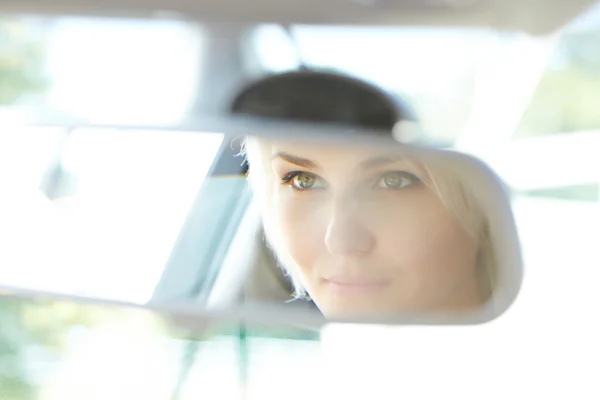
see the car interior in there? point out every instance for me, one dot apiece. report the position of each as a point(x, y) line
point(226, 74)
point(219, 257)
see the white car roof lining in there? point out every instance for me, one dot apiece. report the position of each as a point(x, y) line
point(533, 16)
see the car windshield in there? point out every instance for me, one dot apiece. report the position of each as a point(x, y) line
point(458, 80)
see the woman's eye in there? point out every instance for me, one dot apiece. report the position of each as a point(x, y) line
point(302, 181)
point(397, 180)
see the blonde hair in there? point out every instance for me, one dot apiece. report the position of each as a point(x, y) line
point(466, 186)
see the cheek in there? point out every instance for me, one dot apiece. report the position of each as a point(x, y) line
point(420, 236)
point(300, 220)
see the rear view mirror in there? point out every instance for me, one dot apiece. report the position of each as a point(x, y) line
point(371, 231)
point(387, 233)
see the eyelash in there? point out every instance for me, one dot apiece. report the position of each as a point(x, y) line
point(287, 179)
point(414, 179)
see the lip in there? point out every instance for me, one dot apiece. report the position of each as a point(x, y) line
point(356, 285)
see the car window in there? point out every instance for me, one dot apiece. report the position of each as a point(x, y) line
point(564, 99)
point(103, 70)
point(97, 211)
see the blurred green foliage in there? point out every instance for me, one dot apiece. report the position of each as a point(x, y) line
point(568, 94)
point(21, 61)
point(32, 323)
point(13, 385)
point(21, 73)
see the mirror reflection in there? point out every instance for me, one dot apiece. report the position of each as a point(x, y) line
point(377, 232)
point(372, 231)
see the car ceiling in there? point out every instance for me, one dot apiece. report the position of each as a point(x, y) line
point(536, 17)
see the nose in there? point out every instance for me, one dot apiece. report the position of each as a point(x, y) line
point(346, 232)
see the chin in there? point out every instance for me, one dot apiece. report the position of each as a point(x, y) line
point(364, 311)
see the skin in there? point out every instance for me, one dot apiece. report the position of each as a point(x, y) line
point(368, 236)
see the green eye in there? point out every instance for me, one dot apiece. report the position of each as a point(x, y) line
point(397, 180)
point(299, 180)
point(303, 181)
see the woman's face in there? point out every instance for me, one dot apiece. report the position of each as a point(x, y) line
point(368, 236)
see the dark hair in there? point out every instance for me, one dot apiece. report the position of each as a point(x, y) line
point(321, 97)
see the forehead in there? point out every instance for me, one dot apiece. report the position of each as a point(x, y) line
point(327, 151)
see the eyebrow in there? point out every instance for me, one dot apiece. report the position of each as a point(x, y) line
point(302, 162)
point(367, 164)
